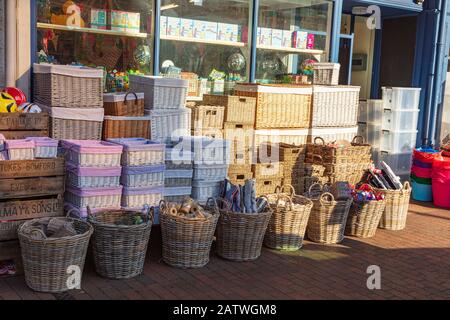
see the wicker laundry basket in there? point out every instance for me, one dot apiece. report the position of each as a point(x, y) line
point(186, 243)
point(240, 236)
point(129, 104)
point(364, 218)
point(397, 206)
point(49, 263)
point(120, 247)
point(126, 127)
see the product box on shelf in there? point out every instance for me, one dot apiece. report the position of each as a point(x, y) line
point(199, 29)
point(173, 26)
point(277, 37)
point(227, 32)
point(211, 30)
point(124, 21)
point(186, 28)
point(99, 19)
point(163, 26)
point(300, 39)
point(265, 37)
point(310, 42)
point(286, 41)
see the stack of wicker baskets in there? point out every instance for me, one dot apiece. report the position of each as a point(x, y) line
point(73, 96)
point(178, 175)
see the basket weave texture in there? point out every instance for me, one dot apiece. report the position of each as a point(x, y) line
point(397, 205)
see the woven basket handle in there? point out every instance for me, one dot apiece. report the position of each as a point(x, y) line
point(314, 185)
point(135, 96)
point(225, 202)
point(358, 138)
point(69, 212)
point(326, 198)
point(407, 186)
point(280, 190)
point(214, 205)
point(163, 205)
point(316, 156)
point(320, 139)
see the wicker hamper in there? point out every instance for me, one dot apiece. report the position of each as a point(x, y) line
point(237, 109)
point(124, 104)
point(207, 117)
point(326, 73)
point(397, 206)
point(126, 127)
point(119, 246)
point(364, 218)
point(47, 262)
point(186, 243)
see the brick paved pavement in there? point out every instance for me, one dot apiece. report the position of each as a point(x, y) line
point(415, 264)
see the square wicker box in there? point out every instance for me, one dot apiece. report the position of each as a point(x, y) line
point(126, 127)
point(238, 174)
point(124, 104)
point(237, 109)
point(268, 170)
point(267, 186)
point(207, 117)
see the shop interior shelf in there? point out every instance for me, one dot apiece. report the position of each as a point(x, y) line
point(90, 30)
point(290, 50)
point(216, 42)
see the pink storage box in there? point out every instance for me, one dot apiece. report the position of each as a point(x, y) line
point(44, 147)
point(81, 177)
point(92, 153)
point(20, 149)
point(94, 197)
point(141, 152)
point(140, 197)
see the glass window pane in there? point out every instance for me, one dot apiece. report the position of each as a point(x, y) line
point(206, 40)
point(291, 33)
point(112, 34)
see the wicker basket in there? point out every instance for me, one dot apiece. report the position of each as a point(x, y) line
point(124, 257)
point(335, 106)
point(279, 106)
point(99, 154)
point(287, 227)
point(203, 190)
point(126, 127)
point(210, 172)
point(168, 125)
point(364, 218)
point(148, 176)
point(328, 219)
point(237, 109)
point(141, 152)
point(358, 151)
point(68, 86)
point(47, 262)
point(240, 236)
point(326, 73)
point(124, 105)
point(208, 117)
point(94, 197)
point(138, 198)
point(186, 243)
point(178, 178)
point(397, 206)
point(238, 174)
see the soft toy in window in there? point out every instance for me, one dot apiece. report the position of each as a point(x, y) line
point(71, 17)
point(7, 103)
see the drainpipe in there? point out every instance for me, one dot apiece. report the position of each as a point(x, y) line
point(10, 43)
point(437, 89)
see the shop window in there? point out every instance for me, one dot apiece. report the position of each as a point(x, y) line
point(291, 35)
point(205, 42)
point(111, 34)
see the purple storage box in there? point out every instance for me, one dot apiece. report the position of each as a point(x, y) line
point(92, 153)
point(138, 144)
point(143, 170)
point(95, 192)
point(94, 171)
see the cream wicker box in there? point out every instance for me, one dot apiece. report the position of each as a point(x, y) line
point(210, 172)
point(202, 190)
point(141, 197)
point(94, 198)
point(169, 125)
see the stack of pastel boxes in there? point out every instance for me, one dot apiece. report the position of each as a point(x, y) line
point(179, 173)
point(211, 159)
point(143, 170)
point(93, 176)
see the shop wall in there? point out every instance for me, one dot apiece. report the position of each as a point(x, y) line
point(445, 129)
point(2, 43)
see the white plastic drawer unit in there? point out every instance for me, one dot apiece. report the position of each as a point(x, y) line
point(370, 111)
point(395, 98)
point(398, 141)
point(400, 120)
point(371, 133)
point(400, 163)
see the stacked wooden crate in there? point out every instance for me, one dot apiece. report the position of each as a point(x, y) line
point(23, 125)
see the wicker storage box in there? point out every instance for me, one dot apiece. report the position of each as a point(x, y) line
point(93, 177)
point(238, 174)
point(364, 218)
point(209, 133)
point(68, 86)
point(140, 152)
point(268, 170)
point(397, 205)
point(145, 176)
point(237, 109)
point(326, 73)
point(240, 235)
point(207, 151)
point(267, 186)
point(94, 198)
point(356, 152)
point(178, 178)
point(124, 104)
point(20, 149)
point(46, 262)
point(169, 125)
point(294, 137)
point(44, 148)
point(186, 243)
point(124, 257)
point(335, 106)
point(179, 159)
point(141, 197)
point(177, 194)
point(208, 117)
point(279, 106)
point(210, 172)
point(85, 153)
point(160, 93)
point(240, 134)
point(203, 190)
point(126, 127)
point(332, 134)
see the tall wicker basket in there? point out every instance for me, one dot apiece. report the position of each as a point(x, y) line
point(47, 262)
point(397, 206)
point(119, 249)
point(240, 236)
point(186, 243)
point(364, 218)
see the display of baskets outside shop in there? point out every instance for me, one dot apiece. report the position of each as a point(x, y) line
point(126, 127)
point(68, 86)
point(344, 101)
point(364, 218)
point(129, 104)
point(279, 106)
point(186, 242)
point(328, 218)
point(326, 73)
point(84, 153)
point(120, 242)
point(80, 177)
point(240, 236)
point(141, 152)
point(287, 226)
point(334, 154)
point(46, 261)
point(397, 205)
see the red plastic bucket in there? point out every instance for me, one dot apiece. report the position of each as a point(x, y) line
point(421, 172)
point(441, 182)
point(425, 155)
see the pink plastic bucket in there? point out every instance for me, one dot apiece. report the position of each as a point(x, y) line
point(441, 182)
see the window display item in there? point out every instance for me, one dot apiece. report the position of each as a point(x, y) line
point(142, 55)
point(326, 73)
point(20, 149)
point(68, 86)
point(236, 62)
point(71, 17)
point(186, 28)
point(286, 41)
point(163, 26)
point(80, 177)
point(123, 21)
point(227, 32)
point(265, 37)
point(277, 37)
point(99, 19)
point(173, 26)
point(310, 43)
point(44, 148)
point(7, 103)
point(199, 31)
point(211, 30)
point(300, 39)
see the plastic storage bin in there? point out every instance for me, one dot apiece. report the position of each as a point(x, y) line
point(20, 149)
point(141, 152)
point(89, 153)
point(93, 177)
point(145, 176)
point(371, 133)
point(94, 198)
point(169, 125)
point(400, 120)
point(400, 163)
point(44, 148)
point(396, 98)
point(398, 141)
point(140, 197)
point(422, 192)
point(160, 92)
point(370, 111)
point(203, 190)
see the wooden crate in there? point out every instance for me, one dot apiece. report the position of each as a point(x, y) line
point(31, 187)
point(10, 250)
point(21, 125)
point(32, 168)
point(16, 135)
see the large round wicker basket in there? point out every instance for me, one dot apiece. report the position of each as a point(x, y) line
point(364, 218)
point(397, 206)
point(119, 249)
point(186, 243)
point(50, 265)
